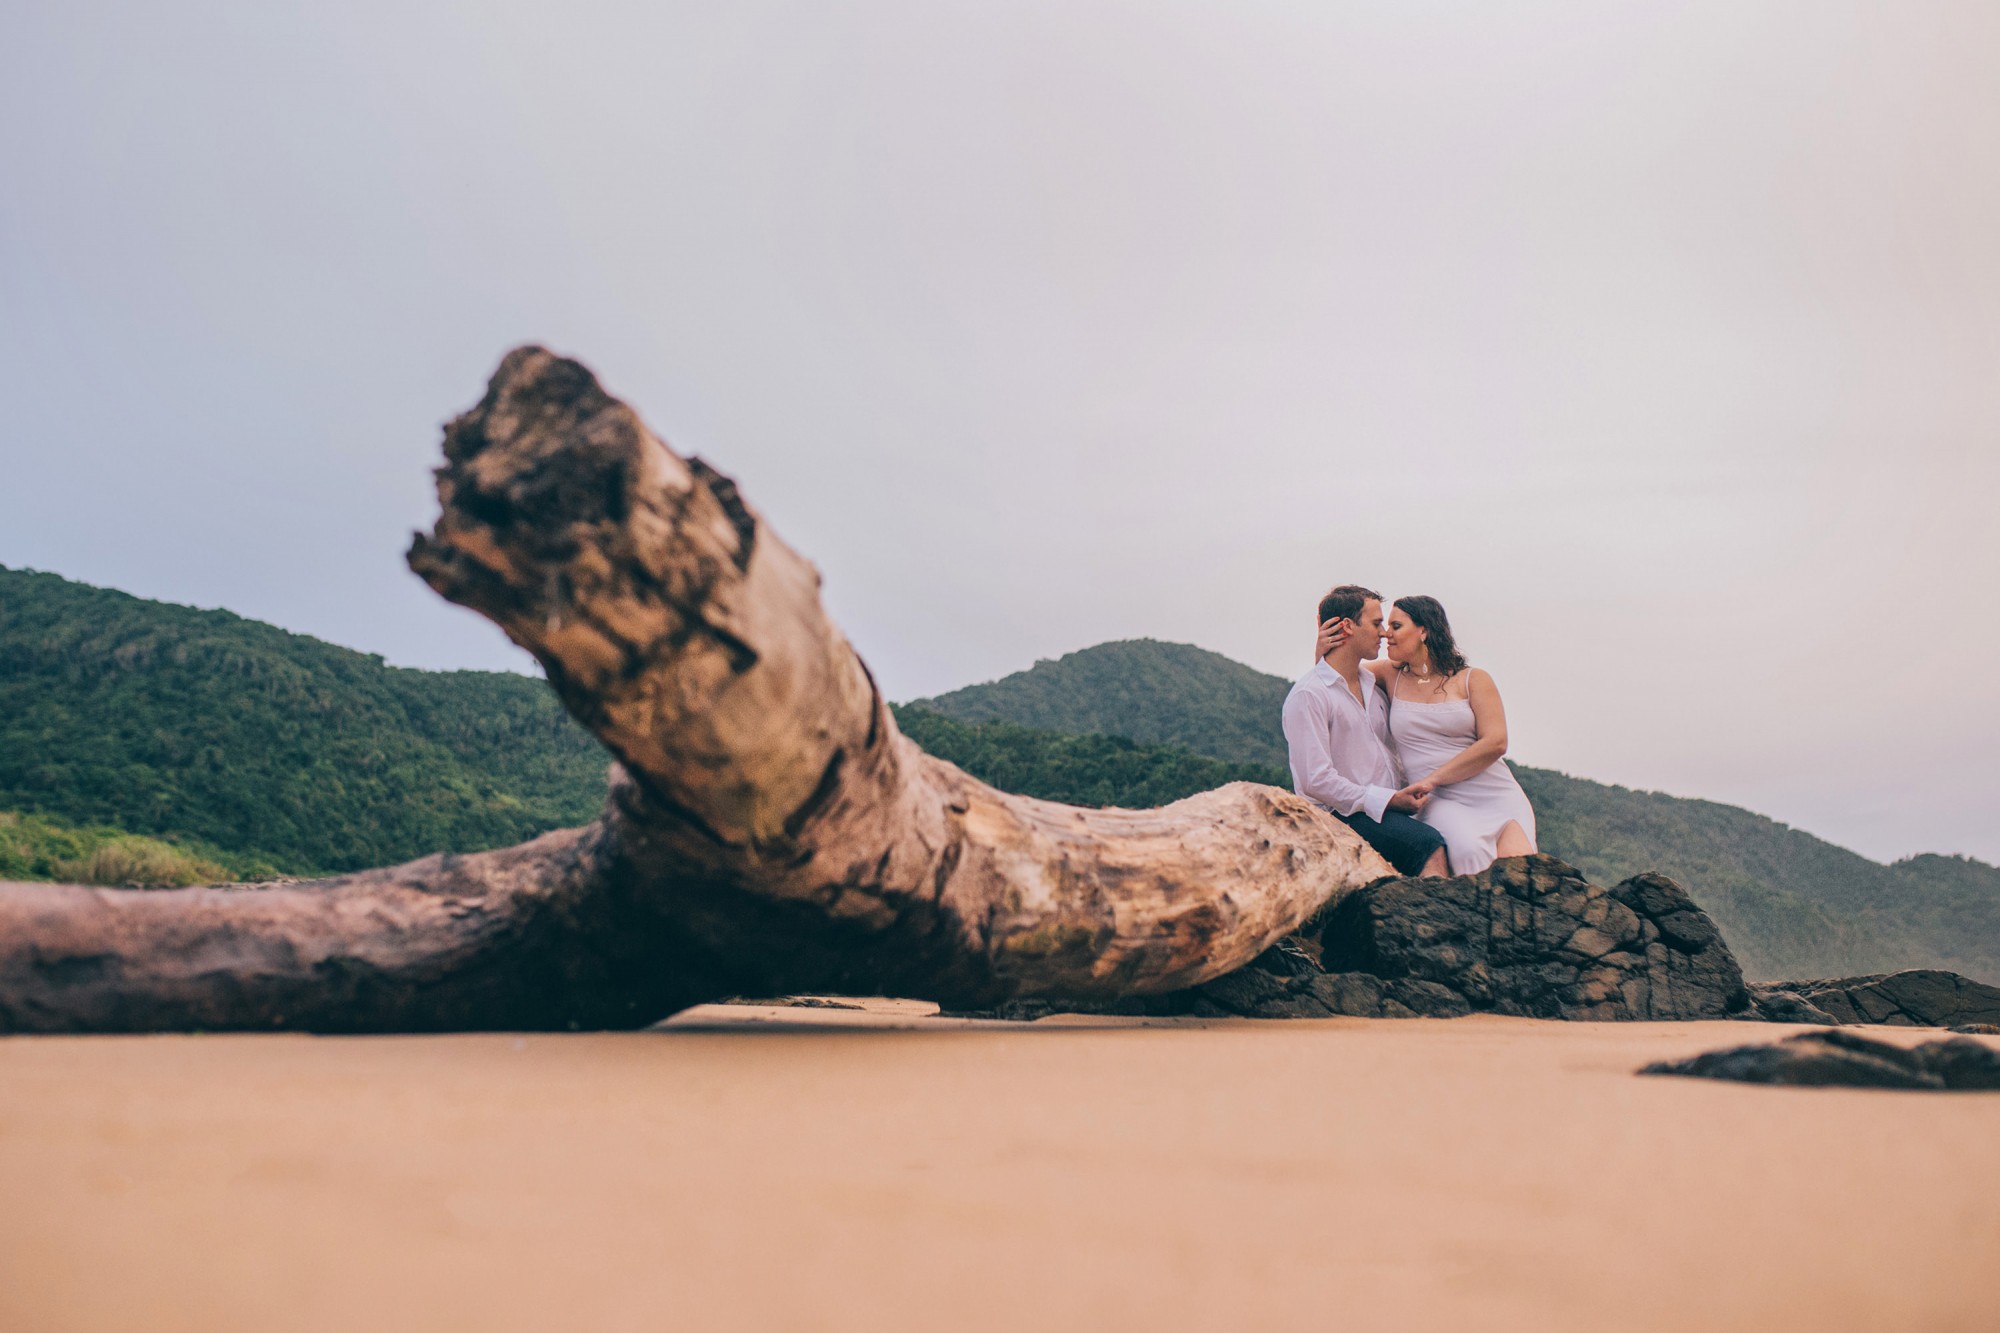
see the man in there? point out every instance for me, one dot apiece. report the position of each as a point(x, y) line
point(1337, 733)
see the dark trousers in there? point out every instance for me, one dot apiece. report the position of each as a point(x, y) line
point(1404, 842)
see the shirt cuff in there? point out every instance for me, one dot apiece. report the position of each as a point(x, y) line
point(1375, 801)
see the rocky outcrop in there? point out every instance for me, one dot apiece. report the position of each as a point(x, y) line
point(1528, 936)
point(1919, 998)
point(1774, 1004)
point(1286, 982)
point(1849, 1060)
point(1532, 937)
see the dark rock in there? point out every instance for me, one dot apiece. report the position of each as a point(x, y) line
point(1247, 989)
point(1918, 998)
point(1027, 1011)
point(1279, 983)
point(1964, 1064)
point(1297, 1004)
point(792, 1002)
point(1528, 936)
point(1427, 998)
point(1977, 1029)
point(1847, 1059)
point(1350, 993)
point(1774, 1004)
point(1014, 1011)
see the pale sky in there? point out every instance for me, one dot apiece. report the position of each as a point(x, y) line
point(1660, 342)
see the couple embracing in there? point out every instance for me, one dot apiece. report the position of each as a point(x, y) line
point(1405, 750)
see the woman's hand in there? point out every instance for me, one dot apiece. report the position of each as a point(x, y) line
point(1332, 633)
point(1413, 797)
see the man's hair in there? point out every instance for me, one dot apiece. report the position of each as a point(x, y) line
point(1345, 602)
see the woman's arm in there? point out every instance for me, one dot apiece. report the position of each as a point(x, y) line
point(1489, 728)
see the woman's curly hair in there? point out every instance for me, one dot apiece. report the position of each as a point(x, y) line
point(1428, 616)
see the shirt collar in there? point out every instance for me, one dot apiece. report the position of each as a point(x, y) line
point(1334, 680)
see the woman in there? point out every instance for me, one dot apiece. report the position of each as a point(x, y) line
point(1449, 732)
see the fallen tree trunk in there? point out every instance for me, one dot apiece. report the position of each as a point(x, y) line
point(768, 828)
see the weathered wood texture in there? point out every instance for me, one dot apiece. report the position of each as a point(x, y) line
point(768, 828)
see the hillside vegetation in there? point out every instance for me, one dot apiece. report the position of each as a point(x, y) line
point(1077, 770)
point(161, 719)
point(1157, 693)
point(37, 847)
point(197, 743)
point(1792, 905)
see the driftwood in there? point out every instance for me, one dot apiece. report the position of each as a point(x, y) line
point(767, 830)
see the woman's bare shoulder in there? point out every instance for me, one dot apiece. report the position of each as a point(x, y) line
point(1384, 669)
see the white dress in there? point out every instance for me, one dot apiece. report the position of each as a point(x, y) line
point(1470, 813)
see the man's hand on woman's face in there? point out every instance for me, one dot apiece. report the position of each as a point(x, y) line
point(1332, 633)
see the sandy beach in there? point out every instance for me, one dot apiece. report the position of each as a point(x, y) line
point(754, 1168)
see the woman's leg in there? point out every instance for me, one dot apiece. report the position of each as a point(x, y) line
point(1462, 854)
point(1514, 840)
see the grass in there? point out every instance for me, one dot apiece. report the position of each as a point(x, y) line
point(35, 847)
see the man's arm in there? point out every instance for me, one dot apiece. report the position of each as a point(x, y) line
point(1313, 773)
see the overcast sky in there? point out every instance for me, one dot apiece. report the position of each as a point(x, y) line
point(1660, 342)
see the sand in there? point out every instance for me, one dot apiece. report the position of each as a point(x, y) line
point(832, 1169)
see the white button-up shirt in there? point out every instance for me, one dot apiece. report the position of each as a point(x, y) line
point(1339, 746)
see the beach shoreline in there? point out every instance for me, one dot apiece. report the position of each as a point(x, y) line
point(767, 1168)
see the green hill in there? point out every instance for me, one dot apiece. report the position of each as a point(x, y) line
point(1791, 904)
point(1158, 693)
point(38, 847)
point(163, 719)
point(1090, 769)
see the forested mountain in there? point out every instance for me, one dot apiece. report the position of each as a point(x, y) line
point(255, 750)
point(166, 720)
point(1159, 693)
point(1089, 769)
point(1791, 904)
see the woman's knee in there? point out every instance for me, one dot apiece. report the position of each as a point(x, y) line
point(1514, 840)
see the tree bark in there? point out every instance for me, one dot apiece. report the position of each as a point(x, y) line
point(768, 829)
